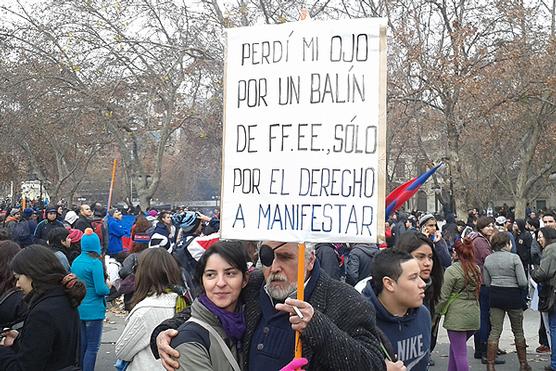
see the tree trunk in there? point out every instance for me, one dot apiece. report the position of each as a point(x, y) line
point(144, 199)
point(520, 206)
point(458, 185)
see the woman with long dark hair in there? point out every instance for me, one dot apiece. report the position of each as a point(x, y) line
point(421, 248)
point(503, 273)
point(523, 240)
point(459, 303)
point(12, 306)
point(140, 226)
point(49, 338)
point(89, 267)
point(157, 297)
point(217, 314)
point(545, 274)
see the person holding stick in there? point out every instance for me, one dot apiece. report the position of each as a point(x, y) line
point(336, 323)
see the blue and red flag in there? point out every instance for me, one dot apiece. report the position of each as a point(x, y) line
point(403, 193)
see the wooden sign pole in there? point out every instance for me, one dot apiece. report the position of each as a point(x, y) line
point(300, 293)
point(112, 184)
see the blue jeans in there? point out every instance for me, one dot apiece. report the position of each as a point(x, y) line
point(90, 343)
point(552, 325)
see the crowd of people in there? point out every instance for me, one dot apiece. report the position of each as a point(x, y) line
point(198, 302)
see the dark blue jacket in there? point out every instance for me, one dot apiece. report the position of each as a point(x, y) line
point(443, 253)
point(359, 262)
point(329, 259)
point(410, 335)
point(22, 232)
point(44, 228)
point(273, 338)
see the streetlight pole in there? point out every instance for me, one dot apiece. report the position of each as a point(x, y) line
point(40, 192)
point(452, 200)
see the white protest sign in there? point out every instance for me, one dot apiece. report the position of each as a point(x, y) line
point(304, 132)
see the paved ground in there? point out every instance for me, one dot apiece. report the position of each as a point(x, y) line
point(115, 324)
point(530, 325)
point(113, 327)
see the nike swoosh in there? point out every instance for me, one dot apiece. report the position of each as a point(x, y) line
point(415, 361)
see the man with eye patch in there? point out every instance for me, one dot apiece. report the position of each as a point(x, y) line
point(337, 324)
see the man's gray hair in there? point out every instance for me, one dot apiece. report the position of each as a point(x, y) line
point(309, 248)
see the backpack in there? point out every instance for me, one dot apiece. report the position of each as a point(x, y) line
point(22, 234)
point(187, 263)
point(98, 228)
point(142, 238)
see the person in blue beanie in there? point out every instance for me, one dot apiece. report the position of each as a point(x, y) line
point(89, 268)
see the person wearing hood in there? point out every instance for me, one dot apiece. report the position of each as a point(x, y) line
point(70, 218)
point(396, 291)
point(359, 262)
point(429, 227)
point(523, 241)
point(89, 268)
point(116, 231)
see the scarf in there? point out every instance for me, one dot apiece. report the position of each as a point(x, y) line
point(233, 323)
point(181, 300)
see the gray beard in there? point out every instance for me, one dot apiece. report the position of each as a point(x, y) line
point(281, 294)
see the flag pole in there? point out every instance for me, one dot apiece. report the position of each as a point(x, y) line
point(300, 293)
point(112, 184)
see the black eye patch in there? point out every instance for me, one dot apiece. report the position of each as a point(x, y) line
point(266, 254)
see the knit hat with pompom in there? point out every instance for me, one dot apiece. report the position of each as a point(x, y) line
point(90, 241)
